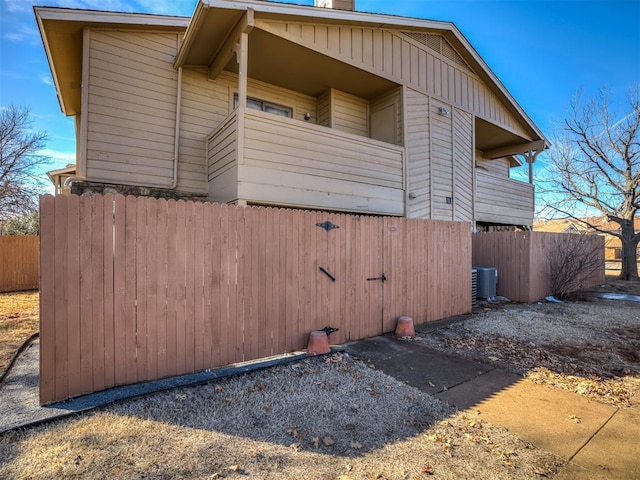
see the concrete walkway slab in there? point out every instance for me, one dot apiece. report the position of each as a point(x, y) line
point(599, 460)
point(415, 364)
point(478, 389)
point(552, 419)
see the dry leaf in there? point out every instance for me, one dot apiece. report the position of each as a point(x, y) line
point(234, 468)
point(356, 445)
point(294, 432)
point(344, 477)
point(328, 441)
point(575, 418)
point(428, 469)
point(350, 426)
point(295, 446)
point(266, 407)
point(219, 388)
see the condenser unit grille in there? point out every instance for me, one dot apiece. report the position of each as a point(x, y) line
point(487, 282)
point(474, 287)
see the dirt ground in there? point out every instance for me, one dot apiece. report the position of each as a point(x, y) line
point(337, 418)
point(19, 319)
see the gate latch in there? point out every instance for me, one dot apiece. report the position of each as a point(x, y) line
point(383, 278)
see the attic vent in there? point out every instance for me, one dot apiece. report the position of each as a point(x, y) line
point(438, 44)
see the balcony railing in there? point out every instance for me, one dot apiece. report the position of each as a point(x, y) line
point(503, 200)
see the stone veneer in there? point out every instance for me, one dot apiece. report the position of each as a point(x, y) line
point(81, 188)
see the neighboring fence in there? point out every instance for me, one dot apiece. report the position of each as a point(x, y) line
point(523, 260)
point(19, 262)
point(136, 289)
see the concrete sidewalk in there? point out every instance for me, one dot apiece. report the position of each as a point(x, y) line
point(598, 441)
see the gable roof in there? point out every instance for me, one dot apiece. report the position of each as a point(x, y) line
point(62, 35)
point(210, 15)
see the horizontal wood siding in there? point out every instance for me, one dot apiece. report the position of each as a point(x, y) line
point(132, 104)
point(523, 261)
point(222, 161)
point(402, 59)
point(288, 162)
point(502, 200)
point(418, 160)
point(134, 289)
point(349, 113)
point(131, 109)
point(324, 109)
point(498, 166)
point(441, 149)
point(463, 166)
point(394, 97)
point(19, 257)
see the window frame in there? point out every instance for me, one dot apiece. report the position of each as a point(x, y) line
point(265, 104)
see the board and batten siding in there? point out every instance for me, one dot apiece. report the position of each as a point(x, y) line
point(290, 163)
point(404, 59)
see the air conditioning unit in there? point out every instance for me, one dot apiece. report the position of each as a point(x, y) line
point(474, 287)
point(487, 281)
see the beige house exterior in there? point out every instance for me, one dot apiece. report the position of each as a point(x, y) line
point(254, 102)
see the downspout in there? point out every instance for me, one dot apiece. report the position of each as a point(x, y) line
point(176, 139)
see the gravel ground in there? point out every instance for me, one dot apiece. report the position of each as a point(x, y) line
point(589, 347)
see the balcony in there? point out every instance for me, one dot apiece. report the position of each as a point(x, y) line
point(265, 159)
point(501, 200)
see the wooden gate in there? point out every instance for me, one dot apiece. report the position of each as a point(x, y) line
point(135, 289)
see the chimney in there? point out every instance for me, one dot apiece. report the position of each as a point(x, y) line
point(337, 4)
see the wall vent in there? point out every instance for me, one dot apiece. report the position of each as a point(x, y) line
point(438, 44)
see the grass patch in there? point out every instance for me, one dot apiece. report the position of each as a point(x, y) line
point(317, 419)
point(19, 319)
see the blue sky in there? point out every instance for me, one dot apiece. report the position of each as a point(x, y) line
point(543, 51)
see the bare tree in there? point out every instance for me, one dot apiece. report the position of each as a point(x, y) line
point(595, 163)
point(573, 259)
point(19, 158)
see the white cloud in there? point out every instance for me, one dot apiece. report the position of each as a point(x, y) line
point(58, 158)
point(17, 6)
point(46, 79)
point(24, 33)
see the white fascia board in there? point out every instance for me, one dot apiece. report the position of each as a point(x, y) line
point(95, 16)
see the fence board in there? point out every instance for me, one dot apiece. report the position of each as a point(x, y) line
point(523, 261)
point(136, 289)
point(48, 322)
point(19, 257)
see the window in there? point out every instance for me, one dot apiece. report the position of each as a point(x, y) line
point(264, 106)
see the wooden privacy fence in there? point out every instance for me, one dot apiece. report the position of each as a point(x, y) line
point(136, 289)
point(523, 260)
point(18, 262)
